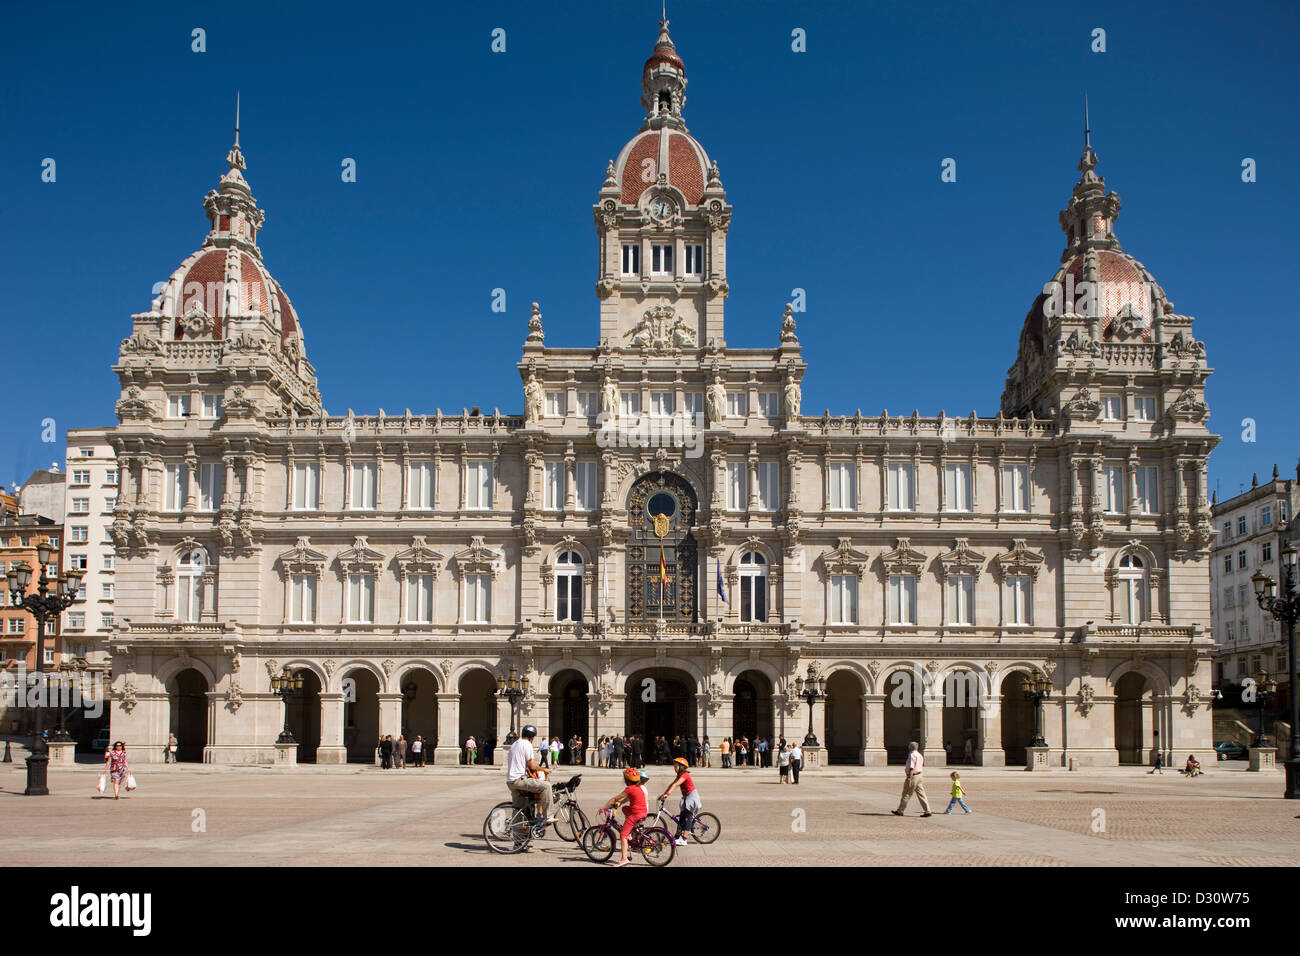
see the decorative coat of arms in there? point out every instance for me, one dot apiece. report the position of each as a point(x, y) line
point(661, 330)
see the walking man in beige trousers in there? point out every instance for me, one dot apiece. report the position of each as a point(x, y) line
point(912, 783)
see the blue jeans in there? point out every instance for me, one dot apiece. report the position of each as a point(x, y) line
point(954, 801)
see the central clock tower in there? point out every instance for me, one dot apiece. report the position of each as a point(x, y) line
point(662, 219)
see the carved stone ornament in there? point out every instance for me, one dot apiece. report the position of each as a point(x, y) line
point(132, 407)
point(141, 344)
point(661, 329)
point(446, 667)
point(234, 697)
point(1192, 700)
point(1187, 407)
point(195, 322)
point(903, 559)
point(845, 559)
point(127, 696)
point(873, 668)
point(239, 405)
point(961, 560)
point(1087, 699)
point(388, 666)
point(1021, 559)
point(1182, 345)
point(788, 336)
point(329, 665)
point(535, 333)
point(1083, 407)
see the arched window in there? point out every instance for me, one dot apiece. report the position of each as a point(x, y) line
point(1130, 595)
point(189, 585)
point(568, 587)
point(753, 587)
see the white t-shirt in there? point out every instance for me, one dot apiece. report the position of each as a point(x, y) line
point(796, 752)
point(783, 758)
point(915, 762)
point(416, 745)
point(556, 746)
point(521, 751)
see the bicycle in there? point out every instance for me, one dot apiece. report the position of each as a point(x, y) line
point(511, 827)
point(653, 843)
point(705, 827)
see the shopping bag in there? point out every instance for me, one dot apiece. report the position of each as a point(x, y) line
point(103, 783)
point(130, 781)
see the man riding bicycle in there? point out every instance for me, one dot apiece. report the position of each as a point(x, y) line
point(524, 776)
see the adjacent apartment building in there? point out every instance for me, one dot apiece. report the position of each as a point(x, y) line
point(91, 498)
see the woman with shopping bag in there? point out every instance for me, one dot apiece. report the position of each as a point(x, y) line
point(118, 771)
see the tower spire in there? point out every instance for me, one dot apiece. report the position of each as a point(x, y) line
point(235, 158)
point(1089, 220)
point(1087, 130)
point(663, 82)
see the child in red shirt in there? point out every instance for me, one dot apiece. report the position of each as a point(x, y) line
point(690, 799)
point(634, 796)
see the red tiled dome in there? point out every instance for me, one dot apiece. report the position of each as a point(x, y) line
point(637, 166)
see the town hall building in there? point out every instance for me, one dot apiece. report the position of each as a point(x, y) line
point(663, 541)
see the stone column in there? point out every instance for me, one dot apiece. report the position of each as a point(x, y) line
point(873, 731)
point(932, 731)
point(990, 752)
point(331, 749)
point(446, 749)
point(390, 713)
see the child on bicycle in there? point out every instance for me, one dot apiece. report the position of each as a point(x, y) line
point(690, 799)
point(634, 796)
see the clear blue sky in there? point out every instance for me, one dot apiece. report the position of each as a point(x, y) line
point(478, 170)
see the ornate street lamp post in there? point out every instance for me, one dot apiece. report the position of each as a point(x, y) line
point(1285, 608)
point(43, 605)
point(512, 689)
point(810, 690)
point(1038, 689)
point(1265, 687)
point(286, 684)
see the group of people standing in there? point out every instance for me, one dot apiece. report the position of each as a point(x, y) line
point(474, 752)
point(550, 750)
point(393, 754)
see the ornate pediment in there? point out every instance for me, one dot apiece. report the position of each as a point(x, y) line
point(360, 558)
point(1188, 407)
point(419, 558)
point(479, 559)
point(903, 559)
point(132, 406)
point(661, 329)
point(239, 405)
point(1083, 407)
point(1021, 559)
point(845, 559)
point(302, 558)
point(195, 323)
point(1182, 345)
point(961, 560)
point(141, 344)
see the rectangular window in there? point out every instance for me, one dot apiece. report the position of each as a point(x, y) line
point(693, 403)
point(211, 405)
point(1112, 489)
point(555, 404)
point(178, 406)
point(753, 599)
point(302, 599)
point(86, 452)
point(1227, 598)
point(81, 476)
point(1227, 563)
point(107, 620)
point(177, 487)
point(588, 405)
point(768, 490)
point(108, 562)
point(106, 592)
point(419, 485)
point(76, 562)
point(630, 404)
point(15, 625)
point(49, 655)
point(584, 472)
point(769, 404)
point(900, 480)
point(1266, 552)
point(189, 597)
point(76, 620)
point(631, 259)
point(419, 599)
point(361, 598)
point(737, 404)
point(1241, 524)
point(1144, 409)
point(1241, 560)
point(737, 495)
point(79, 533)
point(1282, 512)
point(1015, 488)
point(1265, 517)
point(478, 487)
point(843, 486)
point(1112, 408)
point(110, 477)
point(844, 599)
point(694, 260)
point(957, 487)
point(1148, 489)
point(553, 492)
point(902, 599)
point(661, 404)
point(363, 485)
point(960, 595)
point(661, 260)
point(478, 598)
point(211, 478)
point(1017, 599)
point(1241, 596)
point(81, 506)
point(110, 503)
point(305, 484)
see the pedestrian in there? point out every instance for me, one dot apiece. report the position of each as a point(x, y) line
point(399, 752)
point(637, 747)
point(912, 782)
point(116, 767)
point(579, 754)
point(970, 752)
point(796, 761)
point(724, 751)
point(957, 793)
point(556, 747)
point(947, 752)
point(417, 751)
point(1160, 763)
point(544, 753)
point(742, 752)
point(762, 753)
point(783, 763)
point(471, 750)
point(620, 745)
point(386, 753)
point(172, 744)
point(489, 745)
point(705, 750)
point(690, 799)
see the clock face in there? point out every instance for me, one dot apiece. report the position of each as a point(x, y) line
point(662, 208)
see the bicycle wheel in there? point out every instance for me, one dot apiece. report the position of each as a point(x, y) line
point(705, 828)
point(506, 829)
point(599, 843)
point(571, 824)
point(657, 846)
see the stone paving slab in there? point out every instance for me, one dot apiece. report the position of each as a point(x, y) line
point(359, 815)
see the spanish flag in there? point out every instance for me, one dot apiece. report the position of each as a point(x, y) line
point(663, 570)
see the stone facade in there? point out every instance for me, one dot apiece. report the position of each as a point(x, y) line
point(403, 563)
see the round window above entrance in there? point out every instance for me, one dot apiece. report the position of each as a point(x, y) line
point(662, 504)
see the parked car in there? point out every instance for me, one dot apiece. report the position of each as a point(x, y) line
point(101, 741)
point(1230, 750)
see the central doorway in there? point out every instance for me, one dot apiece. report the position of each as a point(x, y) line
point(568, 710)
point(660, 703)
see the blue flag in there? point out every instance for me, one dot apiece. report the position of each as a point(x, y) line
point(722, 592)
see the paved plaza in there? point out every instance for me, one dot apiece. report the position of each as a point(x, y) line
point(201, 815)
